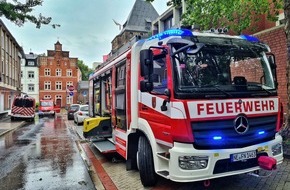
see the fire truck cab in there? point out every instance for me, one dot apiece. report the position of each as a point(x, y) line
point(189, 106)
point(47, 107)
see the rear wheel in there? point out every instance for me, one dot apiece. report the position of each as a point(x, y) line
point(145, 163)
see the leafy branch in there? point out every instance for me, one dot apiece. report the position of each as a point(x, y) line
point(19, 13)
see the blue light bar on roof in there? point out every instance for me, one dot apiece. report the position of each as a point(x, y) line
point(249, 38)
point(171, 32)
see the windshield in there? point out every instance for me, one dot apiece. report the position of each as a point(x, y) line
point(84, 108)
point(21, 102)
point(46, 104)
point(74, 107)
point(225, 68)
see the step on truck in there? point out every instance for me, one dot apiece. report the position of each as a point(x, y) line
point(188, 106)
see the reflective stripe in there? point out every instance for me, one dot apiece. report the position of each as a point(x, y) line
point(175, 109)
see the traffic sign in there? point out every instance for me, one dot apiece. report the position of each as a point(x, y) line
point(71, 93)
point(71, 88)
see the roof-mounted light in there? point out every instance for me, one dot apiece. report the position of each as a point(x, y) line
point(249, 38)
point(171, 32)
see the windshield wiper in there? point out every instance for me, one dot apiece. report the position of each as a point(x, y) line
point(260, 88)
point(217, 88)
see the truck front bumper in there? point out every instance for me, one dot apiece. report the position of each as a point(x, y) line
point(220, 162)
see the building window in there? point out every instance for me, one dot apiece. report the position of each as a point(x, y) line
point(69, 72)
point(69, 84)
point(58, 72)
point(31, 74)
point(21, 74)
point(47, 85)
point(58, 85)
point(30, 87)
point(21, 87)
point(30, 63)
point(168, 23)
point(46, 72)
point(47, 97)
point(69, 99)
point(2, 60)
point(9, 101)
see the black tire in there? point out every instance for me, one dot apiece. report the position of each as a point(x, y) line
point(12, 118)
point(145, 162)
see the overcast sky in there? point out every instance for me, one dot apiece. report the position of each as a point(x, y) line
point(86, 31)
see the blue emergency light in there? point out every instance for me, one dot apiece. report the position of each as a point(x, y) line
point(249, 38)
point(217, 138)
point(261, 132)
point(171, 32)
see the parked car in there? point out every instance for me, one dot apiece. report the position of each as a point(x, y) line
point(81, 114)
point(71, 110)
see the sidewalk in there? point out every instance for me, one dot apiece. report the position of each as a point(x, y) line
point(7, 125)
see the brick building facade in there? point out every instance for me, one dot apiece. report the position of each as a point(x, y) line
point(275, 37)
point(57, 71)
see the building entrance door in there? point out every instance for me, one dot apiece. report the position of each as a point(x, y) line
point(58, 102)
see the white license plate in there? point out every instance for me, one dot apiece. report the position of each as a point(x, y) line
point(243, 156)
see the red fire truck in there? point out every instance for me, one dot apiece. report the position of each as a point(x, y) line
point(47, 107)
point(189, 106)
point(23, 107)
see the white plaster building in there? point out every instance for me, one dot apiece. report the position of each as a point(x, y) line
point(30, 76)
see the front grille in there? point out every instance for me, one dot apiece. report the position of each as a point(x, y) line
point(226, 165)
point(205, 131)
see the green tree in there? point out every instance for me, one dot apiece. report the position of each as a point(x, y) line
point(19, 13)
point(85, 70)
point(236, 15)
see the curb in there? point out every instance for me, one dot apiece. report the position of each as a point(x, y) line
point(17, 127)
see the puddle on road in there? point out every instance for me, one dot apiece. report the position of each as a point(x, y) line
point(40, 156)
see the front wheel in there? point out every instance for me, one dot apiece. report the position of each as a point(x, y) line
point(145, 163)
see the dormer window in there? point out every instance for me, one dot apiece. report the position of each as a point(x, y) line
point(148, 24)
point(30, 63)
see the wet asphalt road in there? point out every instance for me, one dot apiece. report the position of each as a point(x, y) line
point(42, 155)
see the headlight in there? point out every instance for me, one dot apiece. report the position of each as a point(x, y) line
point(193, 162)
point(277, 149)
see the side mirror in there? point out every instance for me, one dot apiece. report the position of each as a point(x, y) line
point(146, 61)
point(146, 86)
